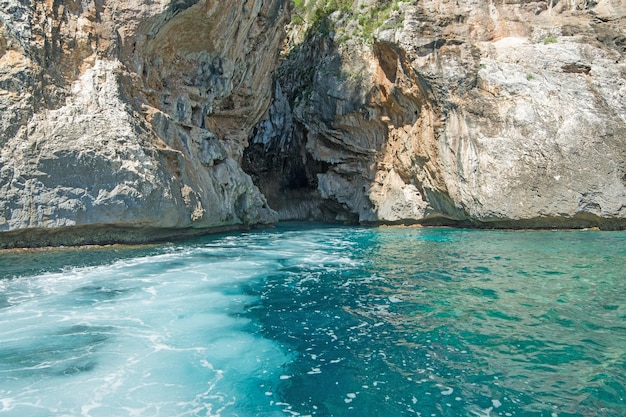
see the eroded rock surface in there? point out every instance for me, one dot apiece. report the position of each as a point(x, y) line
point(127, 120)
point(505, 114)
point(132, 120)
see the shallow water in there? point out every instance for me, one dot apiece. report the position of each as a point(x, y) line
point(325, 321)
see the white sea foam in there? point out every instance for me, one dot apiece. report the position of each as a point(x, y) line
point(156, 335)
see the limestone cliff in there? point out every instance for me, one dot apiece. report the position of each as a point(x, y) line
point(127, 120)
point(131, 120)
point(485, 113)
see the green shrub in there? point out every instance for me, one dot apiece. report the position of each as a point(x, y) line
point(550, 39)
point(316, 15)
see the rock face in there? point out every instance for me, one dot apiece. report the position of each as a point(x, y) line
point(497, 114)
point(127, 120)
point(131, 121)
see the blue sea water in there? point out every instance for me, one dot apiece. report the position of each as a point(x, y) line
point(306, 320)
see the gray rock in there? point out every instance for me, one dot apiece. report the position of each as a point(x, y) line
point(471, 113)
point(128, 123)
point(131, 121)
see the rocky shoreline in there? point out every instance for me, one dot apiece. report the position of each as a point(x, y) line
point(129, 122)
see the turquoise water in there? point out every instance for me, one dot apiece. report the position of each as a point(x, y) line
point(320, 321)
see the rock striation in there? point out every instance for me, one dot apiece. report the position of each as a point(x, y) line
point(131, 121)
point(489, 114)
point(126, 121)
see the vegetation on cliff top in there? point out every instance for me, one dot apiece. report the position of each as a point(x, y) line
point(354, 19)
